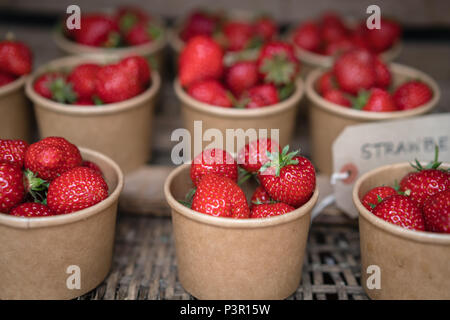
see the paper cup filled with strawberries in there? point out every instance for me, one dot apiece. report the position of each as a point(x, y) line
point(404, 224)
point(361, 88)
point(241, 225)
point(104, 104)
point(58, 207)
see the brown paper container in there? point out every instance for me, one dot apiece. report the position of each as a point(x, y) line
point(413, 264)
point(36, 252)
point(280, 116)
point(16, 120)
point(120, 130)
point(224, 258)
point(327, 120)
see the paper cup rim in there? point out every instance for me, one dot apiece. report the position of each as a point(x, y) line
point(14, 85)
point(63, 219)
point(109, 108)
point(290, 102)
point(320, 102)
point(230, 222)
point(414, 235)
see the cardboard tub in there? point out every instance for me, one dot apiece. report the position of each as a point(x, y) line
point(225, 258)
point(327, 120)
point(412, 264)
point(40, 257)
point(120, 130)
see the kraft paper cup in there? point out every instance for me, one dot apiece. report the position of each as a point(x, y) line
point(327, 120)
point(120, 130)
point(412, 264)
point(38, 255)
point(225, 258)
point(280, 116)
point(16, 120)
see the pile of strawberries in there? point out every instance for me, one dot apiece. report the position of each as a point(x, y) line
point(420, 202)
point(360, 80)
point(91, 84)
point(47, 178)
point(286, 181)
point(231, 34)
point(330, 35)
point(244, 84)
point(128, 26)
point(16, 60)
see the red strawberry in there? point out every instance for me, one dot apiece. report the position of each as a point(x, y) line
point(15, 58)
point(97, 30)
point(84, 102)
point(412, 94)
point(270, 210)
point(216, 161)
point(142, 33)
point(13, 151)
point(6, 78)
point(52, 157)
point(261, 96)
point(237, 35)
point(254, 154)
point(198, 23)
point(12, 190)
point(260, 196)
point(201, 59)
point(375, 100)
point(83, 79)
point(211, 92)
point(288, 178)
point(436, 212)
point(339, 46)
point(307, 36)
point(326, 82)
point(31, 210)
point(402, 211)
point(128, 16)
point(265, 28)
point(43, 84)
point(382, 74)
point(381, 39)
point(76, 189)
point(354, 70)
point(142, 64)
point(221, 197)
point(338, 97)
point(242, 76)
point(376, 195)
point(92, 165)
point(332, 28)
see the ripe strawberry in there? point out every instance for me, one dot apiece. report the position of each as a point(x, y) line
point(332, 28)
point(129, 16)
point(376, 195)
point(288, 178)
point(84, 102)
point(412, 94)
point(216, 161)
point(381, 39)
point(260, 196)
point(241, 76)
point(375, 100)
point(83, 79)
point(31, 210)
point(211, 92)
point(12, 190)
point(402, 211)
point(92, 165)
point(43, 84)
point(201, 59)
point(6, 78)
point(221, 197)
point(261, 96)
point(354, 70)
point(265, 28)
point(326, 82)
point(338, 97)
point(237, 35)
point(76, 189)
point(97, 30)
point(142, 33)
point(15, 58)
point(142, 64)
point(436, 212)
point(338, 46)
point(199, 23)
point(13, 151)
point(307, 36)
point(254, 154)
point(382, 74)
point(52, 157)
point(270, 210)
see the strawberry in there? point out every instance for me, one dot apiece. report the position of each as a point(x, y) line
point(338, 46)
point(382, 74)
point(402, 211)
point(288, 178)
point(83, 79)
point(375, 100)
point(242, 76)
point(142, 64)
point(201, 59)
point(376, 195)
point(84, 102)
point(76, 189)
point(254, 154)
point(412, 94)
point(13, 151)
point(382, 39)
point(142, 33)
point(43, 84)
point(270, 210)
point(221, 197)
point(6, 78)
point(31, 210)
point(15, 58)
point(354, 70)
point(199, 23)
point(52, 157)
point(97, 30)
point(332, 28)
point(260, 196)
point(92, 165)
point(265, 28)
point(436, 212)
point(211, 92)
point(307, 36)
point(237, 35)
point(12, 190)
point(338, 97)
point(129, 16)
point(215, 161)
point(261, 96)
point(326, 82)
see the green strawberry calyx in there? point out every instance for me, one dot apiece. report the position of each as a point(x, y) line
point(278, 160)
point(187, 202)
point(361, 100)
point(62, 91)
point(278, 69)
point(36, 187)
point(432, 165)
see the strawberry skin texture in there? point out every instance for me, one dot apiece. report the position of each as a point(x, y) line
point(83, 79)
point(92, 165)
point(6, 78)
point(76, 189)
point(139, 34)
point(211, 92)
point(237, 34)
point(262, 95)
point(412, 94)
point(402, 211)
point(373, 196)
point(337, 96)
point(254, 154)
point(13, 151)
point(307, 36)
point(270, 210)
point(242, 76)
point(265, 28)
point(198, 23)
point(326, 82)
point(142, 64)
point(31, 210)
point(220, 197)
point(382, 75)
point(96, 30)
point(12, 189)
point(216, 161)
point(382, 39)
point(436, 212)
point(379, 101)
point(15, 58)
point(42, 85)
point(260, 196)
